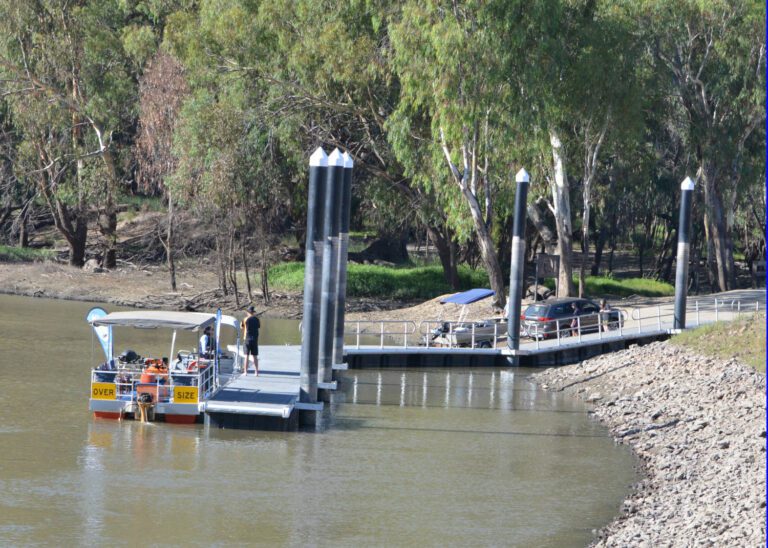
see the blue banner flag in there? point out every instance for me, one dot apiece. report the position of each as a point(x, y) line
point(103, 332)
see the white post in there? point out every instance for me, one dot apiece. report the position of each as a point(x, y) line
point(170, 356)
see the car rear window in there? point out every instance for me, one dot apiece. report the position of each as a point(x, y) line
point(561, 310)
point(536, 311)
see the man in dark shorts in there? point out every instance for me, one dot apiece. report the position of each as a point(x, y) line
point(251, 326)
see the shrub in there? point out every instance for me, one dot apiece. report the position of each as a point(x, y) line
point(401, 282)
point(10, 254)
point(597, 286)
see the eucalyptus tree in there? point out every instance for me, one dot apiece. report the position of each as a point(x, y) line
point(333, 75)
point(64, 65)
point(322, 77)
point(448, 59)
point(571, 73)
point(163, 88)
point(713, 54)
point(603, 104)
point(506, 83)
point(234, 167)
point(14, 194)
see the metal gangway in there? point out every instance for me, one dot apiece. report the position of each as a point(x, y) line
point(640, 321)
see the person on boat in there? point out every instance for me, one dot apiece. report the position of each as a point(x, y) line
point(251, 326)
point(206, 343)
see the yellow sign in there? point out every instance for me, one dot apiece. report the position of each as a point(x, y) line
point(185, 394)
point(103, 391)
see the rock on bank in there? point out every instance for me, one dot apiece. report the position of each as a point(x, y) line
point(698, 426)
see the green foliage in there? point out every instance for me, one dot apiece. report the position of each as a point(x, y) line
point(9, 254)
point(599, 286)
point(743, 339)
point(406, 283)
point(139, 42)
point(143, 203)
point(674, 83)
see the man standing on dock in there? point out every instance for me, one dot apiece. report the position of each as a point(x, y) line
point(251, 326)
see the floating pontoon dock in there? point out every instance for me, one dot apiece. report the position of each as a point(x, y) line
point(267, 402)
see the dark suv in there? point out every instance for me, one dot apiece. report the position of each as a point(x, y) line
point(544, 319)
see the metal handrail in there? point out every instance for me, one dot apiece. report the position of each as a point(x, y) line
point(653, 318)
point(405, 328)
point(127, 381)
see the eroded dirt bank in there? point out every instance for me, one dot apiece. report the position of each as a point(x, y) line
point(698, 426)
point(147, 286)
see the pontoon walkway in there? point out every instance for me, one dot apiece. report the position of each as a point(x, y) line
point(265, 402)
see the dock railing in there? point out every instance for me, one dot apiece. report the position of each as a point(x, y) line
point(128, 385)
point(383, 330)
point(491, 333)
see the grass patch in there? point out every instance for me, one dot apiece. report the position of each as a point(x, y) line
point(597, 286)
point(402, 283)
point(743, 339)
point(10, 254)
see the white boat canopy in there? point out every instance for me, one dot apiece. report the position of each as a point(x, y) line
point(152, 319)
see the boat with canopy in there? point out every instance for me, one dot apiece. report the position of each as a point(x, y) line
point(172, 387)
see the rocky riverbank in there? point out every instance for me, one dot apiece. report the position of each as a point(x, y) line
point(698, 425)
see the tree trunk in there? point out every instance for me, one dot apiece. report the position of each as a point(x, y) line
point(77, 244)
point(599, 245)
point(446, 251)
point(73, 225)
point(492, 267)
point(265, 293)
point(168, 244)
point(717, 229)
point(232, 265)
point(24, 226)
point(76, 234)
point(246, 270)
point(221, 271)
point(468, 183)
point(108, 214)
point(536, 213)
point(108, 228)
point(562, 210)
point(711, 263)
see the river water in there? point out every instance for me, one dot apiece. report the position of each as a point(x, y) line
point(406, 458)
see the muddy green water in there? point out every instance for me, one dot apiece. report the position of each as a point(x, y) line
point(407, 458)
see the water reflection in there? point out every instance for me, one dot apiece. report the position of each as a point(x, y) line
point(410, 457)
point(485, 389)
